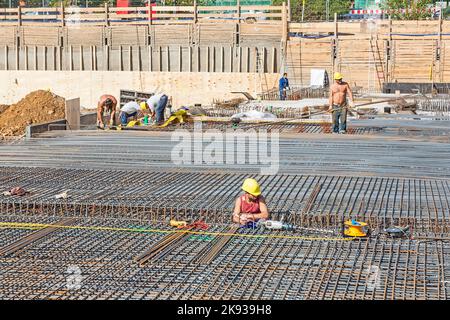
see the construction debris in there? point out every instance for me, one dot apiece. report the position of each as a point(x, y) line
point(63, 195)
point(16, 191)
point(254, 115)
point(228, 104)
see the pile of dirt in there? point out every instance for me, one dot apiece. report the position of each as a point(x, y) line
point(37, 107)
point(3, 107)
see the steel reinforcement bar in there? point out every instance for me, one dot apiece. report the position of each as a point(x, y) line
point(248, 266)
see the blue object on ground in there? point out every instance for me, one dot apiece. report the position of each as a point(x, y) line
point(250, 225)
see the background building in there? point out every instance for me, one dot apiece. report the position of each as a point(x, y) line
point(367, 4)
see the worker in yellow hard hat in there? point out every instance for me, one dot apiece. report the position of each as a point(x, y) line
point(133, 110)
point(339, 92)
point(251, 206)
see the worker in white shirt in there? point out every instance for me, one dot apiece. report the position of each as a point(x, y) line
point(157, 104)
point(132, 109)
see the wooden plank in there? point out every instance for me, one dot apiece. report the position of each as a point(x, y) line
point(94, 52)
point(180, 59)
point(45, 58)
point(70, 58)
point(190, 58)
point(231, 59)
point(72, 112)
point(84, 36)
point(26, 57)
point(150, 58)
point(129, 35)
point(214, 59)
point(54, 57)
point(6, 58)
point(8, 35)
point(160, 58)
point(198, 60)
point(168, 58)
point(239, 68)
point(35, 62)
point(130, 58)
point(222, 59)
point(39, 36)
point(17, 52)
point(217, 34)
point(171, 35)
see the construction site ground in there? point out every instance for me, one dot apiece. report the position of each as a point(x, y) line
point(124, 188)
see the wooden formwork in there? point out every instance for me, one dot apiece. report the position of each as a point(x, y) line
point(93, 36)
point(31, 35)
point(306, 54)
point(413, 60)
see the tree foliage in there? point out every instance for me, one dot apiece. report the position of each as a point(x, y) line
point(415, 10)
point(316, 9)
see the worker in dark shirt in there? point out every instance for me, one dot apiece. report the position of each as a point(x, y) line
point(283, 86)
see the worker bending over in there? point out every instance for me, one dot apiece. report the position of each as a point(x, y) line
point(133, 110)
point(251, 206)
point(107, 103)
point(157, 104)
point(338, 103)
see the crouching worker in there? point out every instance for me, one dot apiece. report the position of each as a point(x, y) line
point(157, 103)
point(251, 206)
point(132, 110)
point(106, 104)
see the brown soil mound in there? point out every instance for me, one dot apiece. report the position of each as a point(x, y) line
point(37, 107)
point(3, 107)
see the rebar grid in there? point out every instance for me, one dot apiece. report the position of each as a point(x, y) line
point(158, 196)
point(324, 127)
point(245, 268)
point(213, 266)
point(439, 104)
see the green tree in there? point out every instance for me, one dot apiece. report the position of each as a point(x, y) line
point(316, 10)
point(415, 10)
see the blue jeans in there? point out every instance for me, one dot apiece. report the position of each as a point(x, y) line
point(282, 95)
point(124, 117)
point(339, 113)
point(160, 108)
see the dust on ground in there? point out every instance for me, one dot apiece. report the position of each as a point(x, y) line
point(36, 107)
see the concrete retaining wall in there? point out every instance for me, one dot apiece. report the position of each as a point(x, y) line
point(88, 119)
point(34, 129)
point(141, 58)
point(185, 88)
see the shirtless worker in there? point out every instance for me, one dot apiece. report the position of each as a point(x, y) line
point(338, 103)
point(106, 103)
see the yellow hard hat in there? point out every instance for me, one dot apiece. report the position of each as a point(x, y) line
point(143, 105)
point(338, 76)
point(251, 186)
